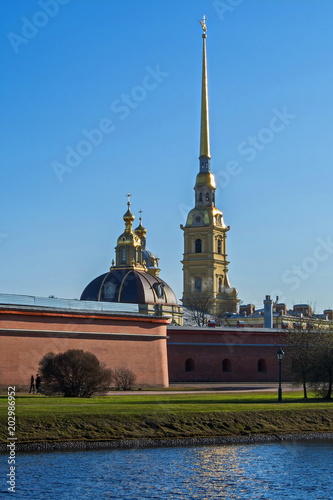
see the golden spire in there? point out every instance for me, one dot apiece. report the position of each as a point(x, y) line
point(204, 132)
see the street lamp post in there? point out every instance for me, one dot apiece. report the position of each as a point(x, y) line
point(280, 355)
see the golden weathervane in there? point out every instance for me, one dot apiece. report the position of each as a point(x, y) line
point(203, 23)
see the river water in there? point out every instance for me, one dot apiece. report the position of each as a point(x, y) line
point(285, 470)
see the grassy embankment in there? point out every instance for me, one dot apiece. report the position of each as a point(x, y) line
point(41, 418)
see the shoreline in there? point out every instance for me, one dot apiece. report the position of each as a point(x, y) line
point(46, 446)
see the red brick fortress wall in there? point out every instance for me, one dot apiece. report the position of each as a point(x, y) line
point(130, 341)
point(223, 354)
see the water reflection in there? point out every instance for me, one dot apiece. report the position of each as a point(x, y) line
point(263, 471)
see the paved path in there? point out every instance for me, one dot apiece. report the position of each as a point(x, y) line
point(213, 387)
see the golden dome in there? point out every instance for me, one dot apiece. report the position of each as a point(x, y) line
point(205, 216)
point(128, 239)
point(140, 230)
point(128, 216)
point(205, 179)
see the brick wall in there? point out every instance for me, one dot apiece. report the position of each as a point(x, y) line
point(217, 355)
point(135, 343)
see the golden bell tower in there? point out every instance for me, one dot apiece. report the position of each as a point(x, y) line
point(205, 265)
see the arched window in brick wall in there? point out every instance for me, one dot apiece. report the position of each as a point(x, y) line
point(189, 365)
point(262, 368)
point(226, 365)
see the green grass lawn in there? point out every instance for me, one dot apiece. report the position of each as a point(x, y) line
point(135, 403)
point(42, 418)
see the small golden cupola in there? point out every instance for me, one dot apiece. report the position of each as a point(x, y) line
point(148, 259)
point(128, 249)
point(141, 232)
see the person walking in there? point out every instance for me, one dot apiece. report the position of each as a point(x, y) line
point(32, 385)
point(38, 382)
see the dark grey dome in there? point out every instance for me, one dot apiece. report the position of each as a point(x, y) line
point(146, 254)
point(150, 260)
point(131, 286)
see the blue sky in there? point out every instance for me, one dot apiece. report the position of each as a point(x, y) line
point(67, 68)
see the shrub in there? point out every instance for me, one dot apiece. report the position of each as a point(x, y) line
point(124, 379)
point(74, 373)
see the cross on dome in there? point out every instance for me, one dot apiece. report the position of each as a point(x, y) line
point(128, 196)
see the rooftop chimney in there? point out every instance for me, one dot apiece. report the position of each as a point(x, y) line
point(268, 312)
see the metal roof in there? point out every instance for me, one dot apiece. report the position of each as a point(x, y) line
point(71, 304)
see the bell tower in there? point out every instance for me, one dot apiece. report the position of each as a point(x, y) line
point(205, 264)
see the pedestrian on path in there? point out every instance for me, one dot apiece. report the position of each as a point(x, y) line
point(32, 385)
point(38, 382)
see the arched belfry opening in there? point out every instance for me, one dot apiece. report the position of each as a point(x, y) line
point(198, 245)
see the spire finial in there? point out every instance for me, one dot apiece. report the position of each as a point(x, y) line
point(128, 196)
point(204, 129)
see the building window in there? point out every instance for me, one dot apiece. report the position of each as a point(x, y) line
point(220, 285)
point(159, 289)
point(198, 245)
point(123, 256)
point(189, 365)
point(197, 285)
point(262, 368)
point(207, 197)
point(200, 196)
point(219, 246)
point(226, 365)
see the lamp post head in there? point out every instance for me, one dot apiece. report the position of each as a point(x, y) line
point(280, 354)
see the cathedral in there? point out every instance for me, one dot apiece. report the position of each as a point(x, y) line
point(205, 264)
point(134, 276)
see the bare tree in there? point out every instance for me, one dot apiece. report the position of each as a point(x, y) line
point(199, 306)
point(124, 379)
point(301, 356)
point(74, 373)
point(221, 314)
point(310, 359)
point(322, 374)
